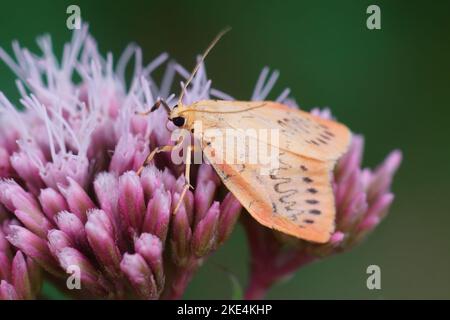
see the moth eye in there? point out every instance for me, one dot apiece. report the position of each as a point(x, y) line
point(178, 121)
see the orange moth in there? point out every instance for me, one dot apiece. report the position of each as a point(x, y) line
point(296, 197)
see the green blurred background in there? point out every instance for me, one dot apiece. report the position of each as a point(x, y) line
point(392, 85)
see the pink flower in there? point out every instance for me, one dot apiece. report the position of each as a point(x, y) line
point(68, 167)
point(20, 276)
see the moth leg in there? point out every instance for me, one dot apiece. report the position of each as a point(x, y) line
point(187, 177)
point(157, 104)
point(157, 150)
point(152, 154)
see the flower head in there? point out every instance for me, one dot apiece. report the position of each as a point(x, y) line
point(68, 167)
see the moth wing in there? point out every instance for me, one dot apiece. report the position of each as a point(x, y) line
point(297, 199)
point(300, 132)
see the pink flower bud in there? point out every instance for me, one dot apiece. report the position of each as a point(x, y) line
point(25, 207)
point(205, 233)
point(52, 202)
point(7, 291)
point(123, 158)
point(33, 246)
point(131, 201)
point(107, 191)
point(139, 275)
point(181, 237)
point(158, 214)
point(230, 209)
point(204, 196)
point(100, 234)
point(72, 259)
point(57, 241)
point(151, 180)
point(150, 248)
point(20, 277)
point(28, 171)
point(72, 226)
point(78, 200)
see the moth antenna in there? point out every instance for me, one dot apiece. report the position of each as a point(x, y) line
point(232, 111)
point(199, 63)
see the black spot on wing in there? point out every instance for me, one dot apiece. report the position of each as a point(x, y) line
point(307, 179)
point(314, 142)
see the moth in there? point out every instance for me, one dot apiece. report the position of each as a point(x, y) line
point(296, 199)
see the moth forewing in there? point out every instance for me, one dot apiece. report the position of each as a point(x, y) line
point(300, 132)
point(294, 196)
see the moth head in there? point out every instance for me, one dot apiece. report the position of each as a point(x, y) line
point(180, 116)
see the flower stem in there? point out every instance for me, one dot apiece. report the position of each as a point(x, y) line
point(180, 280)
point(257, 289)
